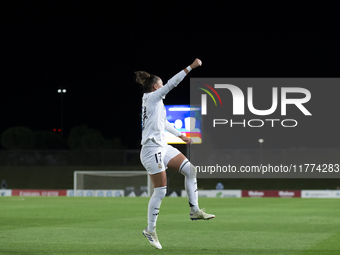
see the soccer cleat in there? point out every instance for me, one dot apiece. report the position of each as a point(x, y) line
point(153, 239)
point(201, 215)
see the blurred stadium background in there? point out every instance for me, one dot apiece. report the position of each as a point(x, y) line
point(53, 169)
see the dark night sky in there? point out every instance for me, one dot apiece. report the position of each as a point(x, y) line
point(92, 48)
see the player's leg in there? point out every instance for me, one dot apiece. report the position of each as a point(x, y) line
point(159, 183)
point(151, 158)
point(177, 161)
point(182, 165)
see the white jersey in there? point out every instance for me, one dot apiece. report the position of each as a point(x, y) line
point(154, 120)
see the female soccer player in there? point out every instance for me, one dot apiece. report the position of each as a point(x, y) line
point(156, 155)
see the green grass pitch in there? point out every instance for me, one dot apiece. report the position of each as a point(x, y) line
point(268, 226)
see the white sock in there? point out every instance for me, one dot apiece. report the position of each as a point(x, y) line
point(153, 208)
point(190, 184)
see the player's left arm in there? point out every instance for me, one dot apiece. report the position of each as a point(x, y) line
point(171, 129)
point(174, 131)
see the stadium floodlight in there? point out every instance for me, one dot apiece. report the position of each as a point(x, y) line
point(61, 91)
point(109, 180)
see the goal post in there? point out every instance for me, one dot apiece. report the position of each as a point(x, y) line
point(111, 180)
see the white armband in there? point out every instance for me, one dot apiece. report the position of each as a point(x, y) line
point(189, 68)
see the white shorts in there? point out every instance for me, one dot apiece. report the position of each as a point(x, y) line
point(155, 159)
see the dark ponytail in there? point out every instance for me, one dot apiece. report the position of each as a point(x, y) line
point(146, 80)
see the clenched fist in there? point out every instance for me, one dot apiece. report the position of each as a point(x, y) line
point(196, 63)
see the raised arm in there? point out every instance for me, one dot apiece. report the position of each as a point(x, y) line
point(194, 65)
point(175, 80)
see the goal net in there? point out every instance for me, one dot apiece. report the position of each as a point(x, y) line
point(125, 183)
